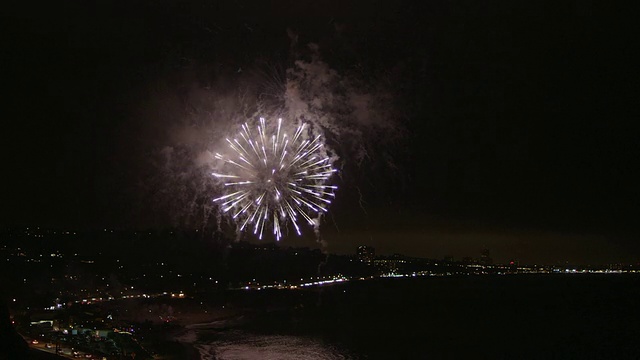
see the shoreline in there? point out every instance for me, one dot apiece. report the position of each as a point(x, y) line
point(187, 335)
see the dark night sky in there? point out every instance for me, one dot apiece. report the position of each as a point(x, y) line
point(521, 132)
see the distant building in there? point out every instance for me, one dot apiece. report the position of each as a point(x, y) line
point(387, 265)
point(366, 253)
point(448, 258)
point(468, 260)
point(485, 257)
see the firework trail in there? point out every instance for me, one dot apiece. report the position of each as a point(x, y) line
point(272, 179)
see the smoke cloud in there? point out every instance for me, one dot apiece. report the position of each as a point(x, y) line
point(190, 113)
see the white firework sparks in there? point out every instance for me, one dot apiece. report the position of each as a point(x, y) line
point(272, 179)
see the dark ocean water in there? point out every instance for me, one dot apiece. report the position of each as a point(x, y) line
point(574, 316)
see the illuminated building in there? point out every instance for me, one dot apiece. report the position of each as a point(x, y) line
point(366, 253)
point(485, 257)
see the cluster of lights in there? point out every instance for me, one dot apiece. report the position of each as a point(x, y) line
point(329, 280)
point(324, 282)
point(132, 296)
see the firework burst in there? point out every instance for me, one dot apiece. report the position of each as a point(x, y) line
point(272, 179)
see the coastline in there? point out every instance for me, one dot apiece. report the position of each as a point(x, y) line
point(187, 336)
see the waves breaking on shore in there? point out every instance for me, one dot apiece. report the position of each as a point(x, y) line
point(213, 344)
